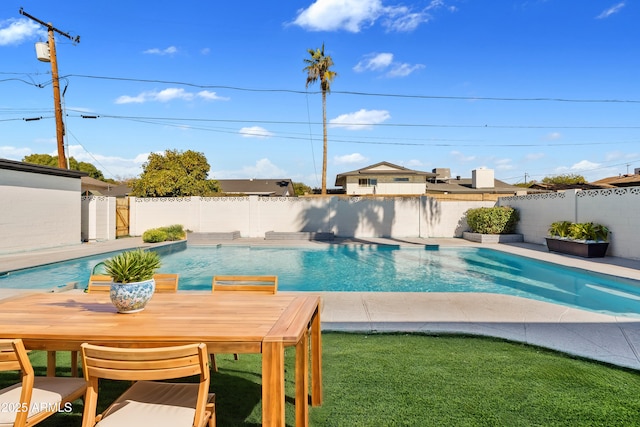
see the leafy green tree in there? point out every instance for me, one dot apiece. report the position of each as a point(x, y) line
point(570, 178)
point(301, 188)
point(49, 160)
point(318, 69)
point(175, 174)
point(41, 159)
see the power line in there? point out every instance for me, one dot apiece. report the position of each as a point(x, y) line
point(165, 121)
point(388, 95)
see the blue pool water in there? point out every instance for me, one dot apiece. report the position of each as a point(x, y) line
point(375, 269)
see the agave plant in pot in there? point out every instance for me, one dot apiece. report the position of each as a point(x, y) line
point(132, 273)
point(585, 239)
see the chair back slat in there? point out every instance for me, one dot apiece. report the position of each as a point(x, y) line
point(99, 283)
point(166, 282)
point(144, 364)
point(264, 284)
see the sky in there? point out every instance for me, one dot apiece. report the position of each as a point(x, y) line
point(528, 88)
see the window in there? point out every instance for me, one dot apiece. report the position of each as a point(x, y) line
point(367, 182)
point(400, 179)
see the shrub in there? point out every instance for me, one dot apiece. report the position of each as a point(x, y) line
point(162, 234)
point(154, 235)
point(496, 220)
point(174, 232)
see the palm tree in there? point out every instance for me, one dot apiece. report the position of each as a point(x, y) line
point(318, 69)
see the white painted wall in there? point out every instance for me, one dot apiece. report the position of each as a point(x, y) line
point(98, 218)
point(616, 208)
point(253, 216)
point(38, 211)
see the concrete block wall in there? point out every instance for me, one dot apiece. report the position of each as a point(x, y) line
point(38, 211)
point(253, 216)
point(98, 218)
point(616, 208)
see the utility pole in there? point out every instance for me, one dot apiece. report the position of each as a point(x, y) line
point(62, 158)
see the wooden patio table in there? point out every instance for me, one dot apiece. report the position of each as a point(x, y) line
point(226, 322)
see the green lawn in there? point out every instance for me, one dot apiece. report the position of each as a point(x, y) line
point(418, 380)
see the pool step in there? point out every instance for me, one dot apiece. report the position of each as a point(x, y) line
point(211, 237)
point(299, 235)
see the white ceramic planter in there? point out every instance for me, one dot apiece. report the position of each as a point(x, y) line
point(132, 297)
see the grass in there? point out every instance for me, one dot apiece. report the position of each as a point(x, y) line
point(418, 380)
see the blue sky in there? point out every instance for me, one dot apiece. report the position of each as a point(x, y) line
point(529, 88)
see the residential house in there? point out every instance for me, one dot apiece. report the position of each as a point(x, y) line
point(482, 181)
point(626, 180)
point(95, 187)
point(259, 187)
point(387, 178)
point(383, 178)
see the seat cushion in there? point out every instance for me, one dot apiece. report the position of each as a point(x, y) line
point(48, 392)
point(157, 404)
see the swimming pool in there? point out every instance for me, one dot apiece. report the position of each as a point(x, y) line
point(348, 268)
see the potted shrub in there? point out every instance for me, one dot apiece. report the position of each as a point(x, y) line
point(492, 225)
point(132, 273)
point(584, 239)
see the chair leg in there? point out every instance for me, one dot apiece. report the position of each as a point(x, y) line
point(214, 366)
point(74, 363)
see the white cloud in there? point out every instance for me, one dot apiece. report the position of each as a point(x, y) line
point(171, 94)
point(14, 153)
point(211, 96)
point(155, 51)
point(349, 159)
point(205, 51)
point(503, 164)
point(413, 163)
point(401, 20)
point(373, 62)
point(553, 136)
point(167, 95)
point(254, 132)
point(263, 168)
point(534, 156)
point(384, 61)
point(461, 157)
point(333, 15)
point(584, 165)
point(612, 10)
point(362, 119)
point(16, 31)
point(110, 166)
point(354, 15)
point(403, 70)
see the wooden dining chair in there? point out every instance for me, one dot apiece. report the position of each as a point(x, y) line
point(34, 398)
point(150, 400)
point(99, 283)
point(263, 284)
point(165, 283)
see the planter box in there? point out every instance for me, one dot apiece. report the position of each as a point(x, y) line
point(492, 238)
point(583, 249)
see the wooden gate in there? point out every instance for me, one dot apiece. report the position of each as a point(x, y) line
point(122, 216)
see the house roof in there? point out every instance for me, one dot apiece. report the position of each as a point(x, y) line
point(465, 186)
point(561, 187)
point(620, 181)
point(381, 168)
point(33, 168)
point(101, 188)
point(260, 187)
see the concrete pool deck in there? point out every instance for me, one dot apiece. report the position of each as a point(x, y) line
point(610, 339)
